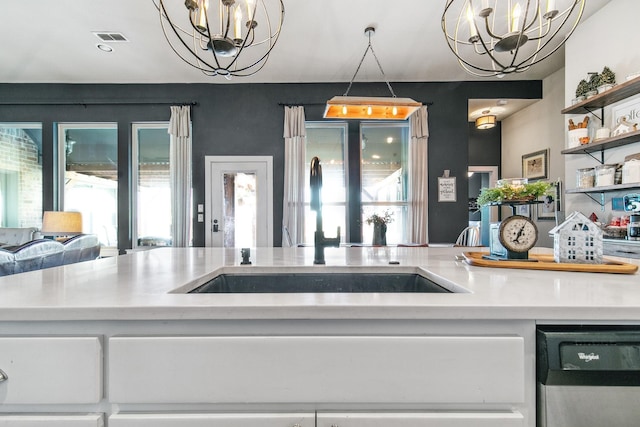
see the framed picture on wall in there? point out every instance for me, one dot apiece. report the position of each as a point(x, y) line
point(535, 165)
point(549, 203)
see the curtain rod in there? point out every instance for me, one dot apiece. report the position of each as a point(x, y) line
point(84, 104)
point(295, 104)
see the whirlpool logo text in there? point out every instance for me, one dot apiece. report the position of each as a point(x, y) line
point(588, 357)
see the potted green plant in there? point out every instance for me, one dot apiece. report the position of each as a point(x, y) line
point(581, 91)
point(594, 82)
point(607, 80)
point(506, 193)
point(380, 227)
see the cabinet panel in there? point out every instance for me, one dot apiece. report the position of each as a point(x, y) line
point(89, 420)
point(51, 370)
point(428, 419)
point(213, 420)
point(347, 369)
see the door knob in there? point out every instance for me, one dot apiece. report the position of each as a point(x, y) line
point(215, 227)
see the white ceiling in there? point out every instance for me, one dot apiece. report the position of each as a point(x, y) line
point(52, 41)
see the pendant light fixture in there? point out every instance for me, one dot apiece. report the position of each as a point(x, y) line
point(500, 37)
point(222, 37)
point(369, 107)
point(486, 121)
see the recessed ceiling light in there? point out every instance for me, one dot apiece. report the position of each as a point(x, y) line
point(389, 140)
point(104, 47)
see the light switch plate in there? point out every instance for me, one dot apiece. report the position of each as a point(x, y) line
point(200, 217)
point(200, 208)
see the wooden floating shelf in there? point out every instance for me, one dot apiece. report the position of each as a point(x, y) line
point(617, 93)
point(602, 144)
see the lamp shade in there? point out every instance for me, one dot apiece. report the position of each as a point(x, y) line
point(55, 223)
point(485, 122)
point(370, 108)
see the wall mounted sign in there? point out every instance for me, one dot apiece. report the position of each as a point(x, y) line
point(447, 189)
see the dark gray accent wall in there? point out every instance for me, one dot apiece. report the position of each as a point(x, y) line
point(246, 119)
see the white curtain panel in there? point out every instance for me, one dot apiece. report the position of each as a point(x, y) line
point(180, 167)
point(418, 178)
point(294, 176)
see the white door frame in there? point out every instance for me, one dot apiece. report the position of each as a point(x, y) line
point(208, 160)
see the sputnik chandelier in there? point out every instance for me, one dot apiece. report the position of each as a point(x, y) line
point(222, 37)
point(500, 37)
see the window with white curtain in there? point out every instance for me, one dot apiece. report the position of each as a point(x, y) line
point(382, 169)
point(384, 177)
point(152, 192)
point(328, 142)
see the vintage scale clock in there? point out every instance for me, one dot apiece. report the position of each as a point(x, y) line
point(512, 238)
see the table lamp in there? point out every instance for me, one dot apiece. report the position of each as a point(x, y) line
point(55, 223)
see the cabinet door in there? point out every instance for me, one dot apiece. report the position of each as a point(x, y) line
point(54, 370)
point(89, 420)
point(427, 419)
point(324, 369)
point(213, 420)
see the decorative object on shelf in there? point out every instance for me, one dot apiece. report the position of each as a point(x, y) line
point(581, 91)
point(486, 121)
point(631, 170)
point(380, 227)
point(578, 133)
point(225, 38)
point(624, 127)
point(495, 39)
point(594, 83)
point(605, 175)
point(602, 133)
point(370, 108)
point(585, 178)
point(550, 202)
point(513, 190)
point(607, 80)
point(577, 240)
point(536, 165)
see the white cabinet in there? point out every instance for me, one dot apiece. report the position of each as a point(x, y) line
point(421, 419)
point(50, 370)
point(88, 420)
point(213, 420)
point(317, 369)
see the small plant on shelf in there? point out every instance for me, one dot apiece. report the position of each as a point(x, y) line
point(595, 80)
point(582, 89)
point(607, 76)
point(513, 193)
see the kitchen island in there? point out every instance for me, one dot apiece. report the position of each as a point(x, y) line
point(121, 339)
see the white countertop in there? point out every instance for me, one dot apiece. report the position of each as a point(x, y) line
point(149, 285)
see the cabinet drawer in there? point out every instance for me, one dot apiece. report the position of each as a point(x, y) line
point(429, 419)
point(51, 370)
point(213, 420)
point(323, 369)
point(89, 420)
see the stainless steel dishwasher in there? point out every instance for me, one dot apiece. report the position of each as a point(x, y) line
point(588, 376)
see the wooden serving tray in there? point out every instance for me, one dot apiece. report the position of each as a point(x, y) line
point(546, 262)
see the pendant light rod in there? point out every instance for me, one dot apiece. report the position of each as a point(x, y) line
point(370, 31)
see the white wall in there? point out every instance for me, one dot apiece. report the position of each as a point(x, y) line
point(537, 127)
point(609, 38)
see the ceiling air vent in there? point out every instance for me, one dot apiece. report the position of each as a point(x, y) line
point(106, 36)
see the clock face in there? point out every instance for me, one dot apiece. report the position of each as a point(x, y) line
point(518, 233)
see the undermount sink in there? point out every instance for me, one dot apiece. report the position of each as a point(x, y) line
point(320, 282)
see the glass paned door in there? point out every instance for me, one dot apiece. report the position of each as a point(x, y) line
point(89, 161)
point(239, 201)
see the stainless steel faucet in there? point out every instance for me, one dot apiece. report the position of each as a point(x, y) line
point(320, 242)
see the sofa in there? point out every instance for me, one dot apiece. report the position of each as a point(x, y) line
point(16, 236)
point(45, 253)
